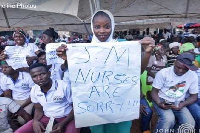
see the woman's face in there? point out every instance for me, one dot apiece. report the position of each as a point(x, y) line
point(158, 55)
point(162, 51)
point(46, 39)
point(19, 39)
point(175, 50)
point(102, 27)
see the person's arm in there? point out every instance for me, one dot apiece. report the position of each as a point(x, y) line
point(37, 52)
point(37, 126)
point(31, 59)
point(21, 112)
point(148, 43)
point(23, 69)
point(145, 61)
point(154, 95)
point(27, 102)
point(156, 99)
point(149, 72)
point(60, 126)
point(8, 93)
point(190, 100)
point(61, 52)
point(64, 66)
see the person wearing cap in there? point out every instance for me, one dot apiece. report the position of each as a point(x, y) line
point(170, 87)
point(173, 53)
point(17, 85)
point(195, 107)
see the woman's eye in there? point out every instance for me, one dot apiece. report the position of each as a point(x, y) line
point(97, 27)
point(108, 27)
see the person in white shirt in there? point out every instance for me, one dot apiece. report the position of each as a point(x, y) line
point(167, 34)
point(195, 107)
point(57, 70)
point(8, 105)
point(28, 49)
point(170, 87)
point(53, 103)
point(17, 85)
point(156, 63)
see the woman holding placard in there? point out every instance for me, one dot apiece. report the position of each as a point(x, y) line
point(102, 24)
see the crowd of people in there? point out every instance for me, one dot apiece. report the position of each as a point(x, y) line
point(35, 97)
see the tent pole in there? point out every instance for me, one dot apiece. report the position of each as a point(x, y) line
point(187, 8)
point(97, 3)
point(4, 13)
point(91, 7)
point(86, 27)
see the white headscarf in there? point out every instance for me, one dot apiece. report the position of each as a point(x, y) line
point(110, 39)
point(174, 44)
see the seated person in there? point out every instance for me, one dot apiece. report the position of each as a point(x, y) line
point(8, 105)
point(195, 107)
point(156, 63)
point(30, 50)
point(17, 85)
point(173, 53)
point(170, 87)
point(52, 101)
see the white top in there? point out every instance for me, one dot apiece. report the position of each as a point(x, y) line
point(20, 88)
point(174, 88)
point(167, 35)
point(29, 49)
point(57, 102)
point(56, 72)
point(6, 104)
point(156, 65)
point(66, 76)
